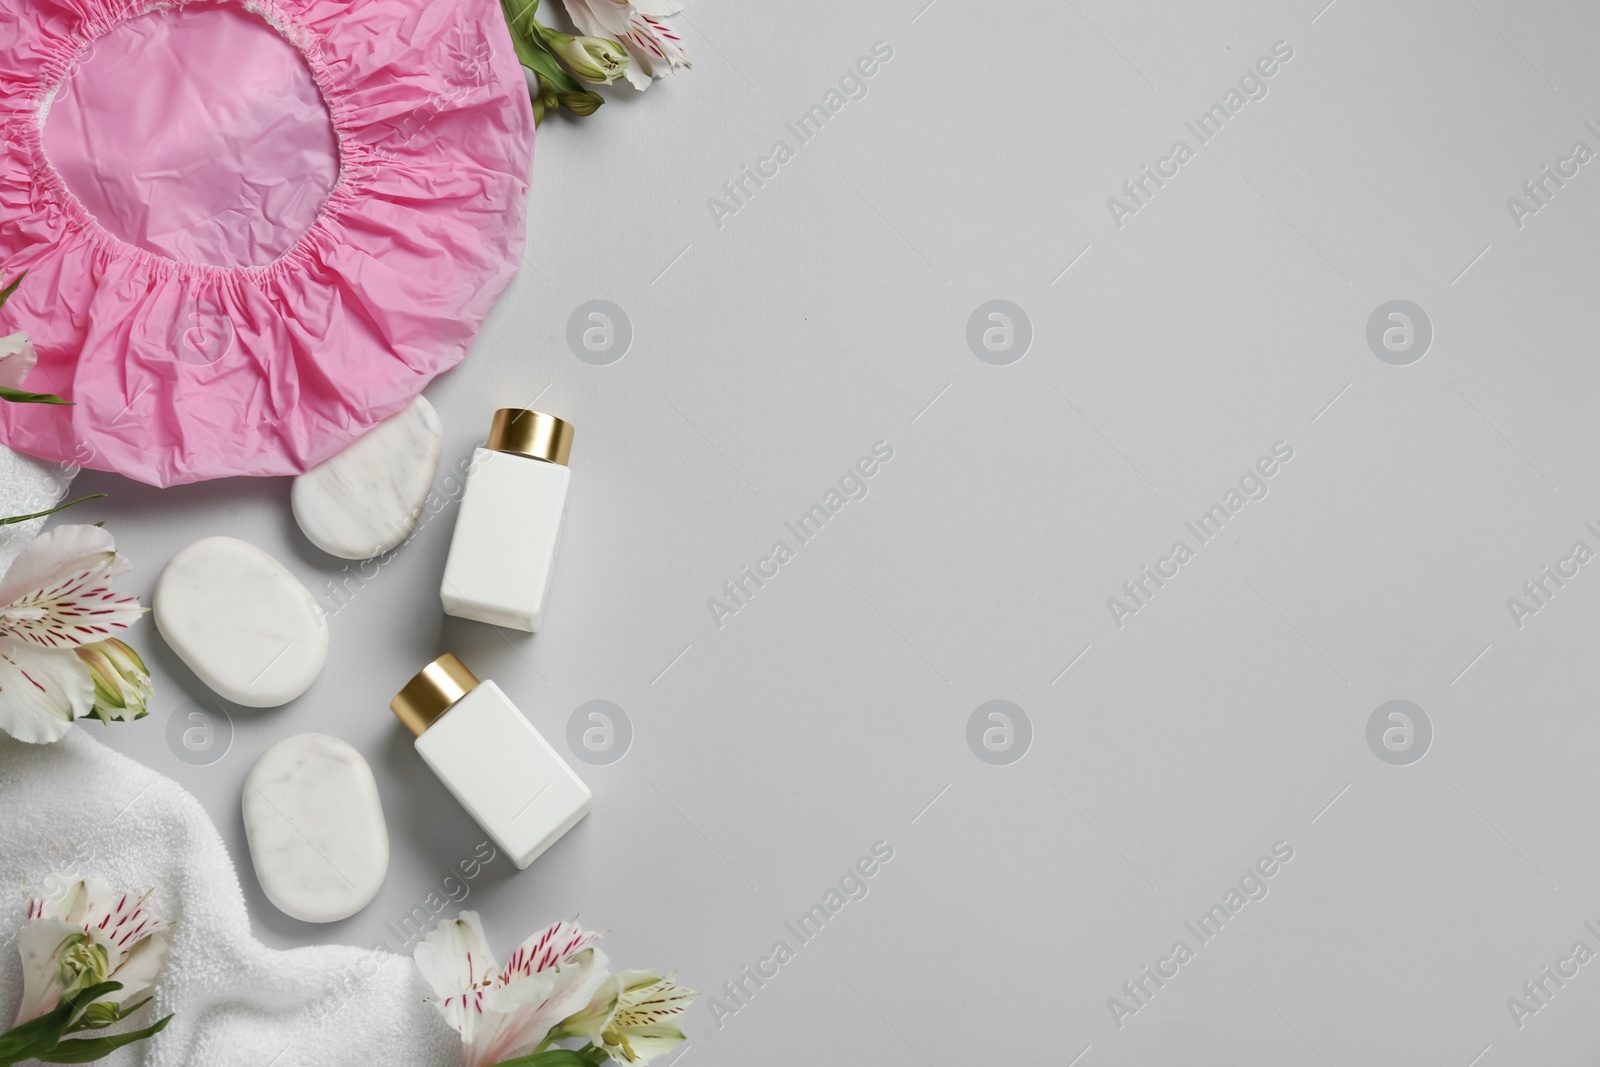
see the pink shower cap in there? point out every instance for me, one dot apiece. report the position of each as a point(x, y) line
point(251, 230)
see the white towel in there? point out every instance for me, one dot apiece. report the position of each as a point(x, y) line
point(79, 807)
point(27, 486)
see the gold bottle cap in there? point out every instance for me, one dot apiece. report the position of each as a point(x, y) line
point(524, 432)
point(434, 691)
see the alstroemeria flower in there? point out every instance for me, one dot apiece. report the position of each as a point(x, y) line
point(122, 688)
point(17, 360)
point(633, 1016)
point(652, 46)
point(56, 597)
point(598, 60)
point(87, 935)
point(502, 1013)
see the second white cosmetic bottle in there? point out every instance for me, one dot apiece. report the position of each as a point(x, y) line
point(492, 760)
point(506, 536)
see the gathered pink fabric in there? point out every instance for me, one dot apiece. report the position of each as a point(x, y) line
point(252, 230)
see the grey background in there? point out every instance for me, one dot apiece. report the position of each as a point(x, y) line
point(1168, 755)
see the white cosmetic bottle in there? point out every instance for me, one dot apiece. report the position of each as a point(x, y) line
point(491, 759)
point(506, 536)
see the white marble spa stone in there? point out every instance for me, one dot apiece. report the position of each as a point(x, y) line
point(243, 624)
point(315, 825)
point(365, 501)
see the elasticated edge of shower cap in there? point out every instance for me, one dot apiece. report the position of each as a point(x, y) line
point(421, 231)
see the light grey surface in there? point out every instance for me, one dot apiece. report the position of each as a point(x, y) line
point(831, 312)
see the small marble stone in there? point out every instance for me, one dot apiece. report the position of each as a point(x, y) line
point(366, 500)
point(315, 825)
point(243, 623)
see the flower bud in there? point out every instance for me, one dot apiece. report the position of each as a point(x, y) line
point(583, 103)
point(122, 686)
point(101, 1014)
point(599, 60)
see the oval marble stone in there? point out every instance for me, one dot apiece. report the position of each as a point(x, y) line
point(241, 621)
point(315, 826)
point(366, 500)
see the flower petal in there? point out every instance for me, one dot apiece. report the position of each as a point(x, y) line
point(519, 1025)
point(83, 902)
point(17, 360)
point(59, 551)
point(645, 1023)
point(594, 1018)
point(42, 691)
point(455, 960)
point(649, 999)
point(39, 942)
point(79, 610)
point(533, 1003)
point(654, 48)
point(599, 18)
point(551, 946)
point(648, 1042)
point(119, 921)
point(58, 592)
point(141, 962)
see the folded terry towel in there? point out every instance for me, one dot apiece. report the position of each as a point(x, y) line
point(27, 486)
point(78, 807)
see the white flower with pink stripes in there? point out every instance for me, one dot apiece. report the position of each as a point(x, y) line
point(84, 935)
point(654, 49)
point(17, 360)
point(505, 1012)
point(56, 599)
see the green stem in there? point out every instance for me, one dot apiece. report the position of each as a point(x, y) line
point(5, 294)
point(17, 396)
point(52, 511)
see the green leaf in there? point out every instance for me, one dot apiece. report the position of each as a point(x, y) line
point(34, 1036)
point(517, 11)
point(87, 996)
point(539, 59)
point(556, 1057)
point(542, 32)
point(83, 1050)
point(52, 511)
point(556, 83)
point(17, 396)
point(38, 1036)
point(5, 294)
point(530, 46)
